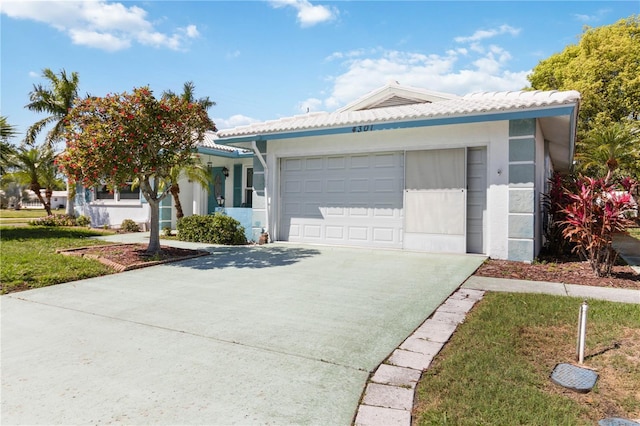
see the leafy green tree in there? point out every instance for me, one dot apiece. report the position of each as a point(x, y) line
point(193, 169)
point(56, 100)
point(34, 166)
point(144, 138)
point(604, 66)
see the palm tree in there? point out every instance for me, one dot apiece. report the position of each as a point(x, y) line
point(188, 95)
point(7, 131)
point(35, 167)
point(608, 148)
point(56, 100)
point(194, 169)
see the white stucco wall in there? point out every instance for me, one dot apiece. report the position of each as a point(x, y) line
point(112, 213)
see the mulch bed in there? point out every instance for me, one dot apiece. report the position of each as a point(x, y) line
point(125, 257)
point(567, 272)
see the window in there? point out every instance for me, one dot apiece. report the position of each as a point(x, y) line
point(247, 196)
point(123, 193)
point(103, 193)
point(126, 193)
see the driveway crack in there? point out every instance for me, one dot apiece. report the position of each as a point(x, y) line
point(215, 339)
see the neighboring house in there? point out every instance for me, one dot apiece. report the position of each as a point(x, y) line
point(406, 168)
point(58, 200)
point(231, 168)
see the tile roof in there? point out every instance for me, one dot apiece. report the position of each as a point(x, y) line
point(210, 139)
point(473, 104)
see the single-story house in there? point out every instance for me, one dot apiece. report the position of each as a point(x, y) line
point(230, 191)
point(58, 200)
point(407, 168)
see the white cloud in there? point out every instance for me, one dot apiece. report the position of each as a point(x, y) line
point(310, 105)
point(34, 74)
point(457, 71)
point(308, 14)
point(233, 121)
point(591, 18)
point(484, 34)
point(98, 24)
point(233, 55)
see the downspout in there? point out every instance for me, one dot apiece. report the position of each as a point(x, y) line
point(266, 183)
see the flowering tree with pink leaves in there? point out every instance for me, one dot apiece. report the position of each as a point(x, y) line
point(122, 137)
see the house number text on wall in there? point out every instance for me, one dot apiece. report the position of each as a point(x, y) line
point(366, 128)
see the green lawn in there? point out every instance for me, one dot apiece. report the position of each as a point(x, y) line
point(495, 370)
point(634, 232)
point(28, 258)
point(20, 217)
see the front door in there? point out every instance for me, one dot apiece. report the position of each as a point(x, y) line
point(216, 189)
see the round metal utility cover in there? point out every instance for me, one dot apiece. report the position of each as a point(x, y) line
point(573, 377)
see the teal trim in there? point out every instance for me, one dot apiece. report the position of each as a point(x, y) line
point(522, 175)
point(526, 127)
point(218, 153)
point(521, 226)
point(520, 250)
point(237, 185)
point(522, 150)
point(514, 115)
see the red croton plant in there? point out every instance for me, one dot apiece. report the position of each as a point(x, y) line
point(596, 209)
point(122, 137)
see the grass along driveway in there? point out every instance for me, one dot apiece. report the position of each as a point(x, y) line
point(29, 260)
point(495, 370)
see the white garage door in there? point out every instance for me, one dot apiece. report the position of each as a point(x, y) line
point(347, 200)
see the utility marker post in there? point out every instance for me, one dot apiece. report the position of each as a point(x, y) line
point(582, 331)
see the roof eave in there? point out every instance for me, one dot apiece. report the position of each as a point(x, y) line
point(548, 111)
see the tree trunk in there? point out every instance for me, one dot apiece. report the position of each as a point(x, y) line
point(151, 195)
point(154, 227)
point(175, 193)
point(48, 193)
point(71, 195)
point(35, 187)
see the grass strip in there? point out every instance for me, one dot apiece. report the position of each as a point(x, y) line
point(495, 370)
point(28, 258)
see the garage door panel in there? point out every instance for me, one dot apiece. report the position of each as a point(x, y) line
point(352, 199)
point(313, 186)
point(335, 186)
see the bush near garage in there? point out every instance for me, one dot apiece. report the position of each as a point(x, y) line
point(215, 229)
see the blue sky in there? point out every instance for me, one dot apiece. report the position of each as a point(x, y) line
point(261, 60)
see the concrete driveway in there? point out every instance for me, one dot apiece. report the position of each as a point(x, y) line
point(275, 334)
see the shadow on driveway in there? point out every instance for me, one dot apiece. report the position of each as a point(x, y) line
point(248, 257)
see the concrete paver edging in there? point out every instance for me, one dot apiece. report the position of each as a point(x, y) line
point(388, 397)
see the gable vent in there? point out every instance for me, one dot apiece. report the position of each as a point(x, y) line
point(397, 101)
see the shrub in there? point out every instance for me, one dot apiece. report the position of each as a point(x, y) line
point(166, 231)
point(54, 220)
point(128, 225)
point(596, 211)
point(215, 229)
point(83, 221)
point(554, 203)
